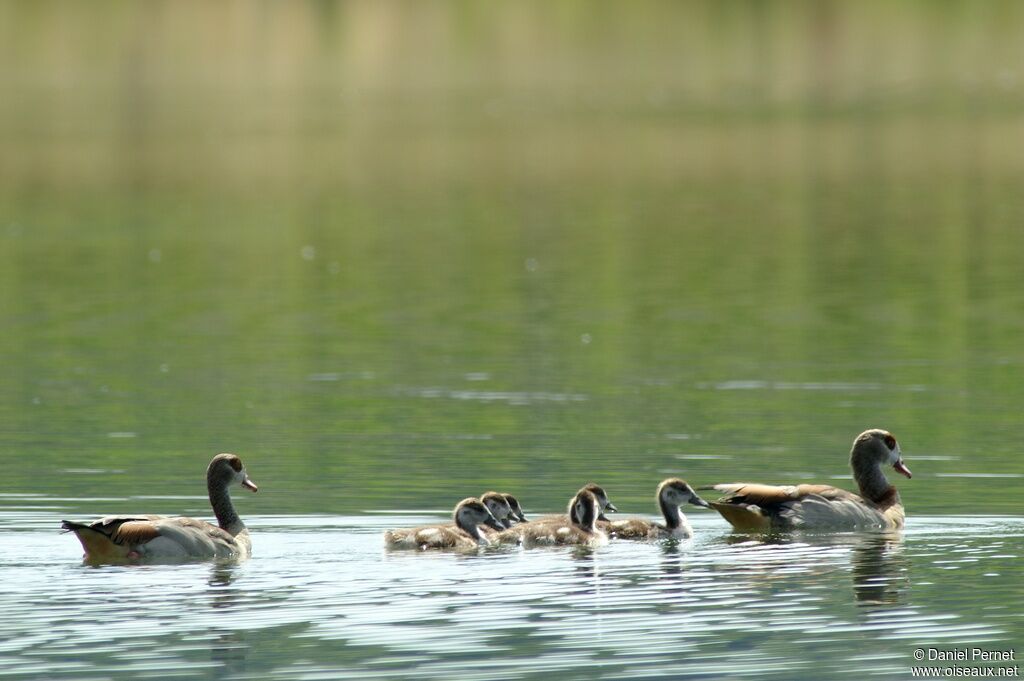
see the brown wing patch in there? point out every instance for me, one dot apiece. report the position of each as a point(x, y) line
point(112, 522)
point(761, 495)
point(135, 532)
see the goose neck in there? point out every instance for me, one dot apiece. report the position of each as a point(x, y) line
point(472, 529)
point(223, 508)
point(673, 516)
point(871, 481)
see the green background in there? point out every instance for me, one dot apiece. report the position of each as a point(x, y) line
point(396, 254)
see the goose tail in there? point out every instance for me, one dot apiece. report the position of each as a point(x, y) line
point(98, 546)
point(72, 526)
point(745, 517)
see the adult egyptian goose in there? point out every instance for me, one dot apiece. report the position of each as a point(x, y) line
point(760, 507)
point(469, 514)
point(126, 538)
point(672, 494)
point(603, 502)
point(584, 508)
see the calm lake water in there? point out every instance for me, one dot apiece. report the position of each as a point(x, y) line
point(396, 255)
point(323, 600)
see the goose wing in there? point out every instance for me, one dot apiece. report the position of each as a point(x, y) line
point(438, 537)
point(153, 536)
point(189, 537)
point(753, 505)
point(839, 511)
point(773, 495)
point(629, 528)
point(428, 537)
point(114, 537)
point(119, 529)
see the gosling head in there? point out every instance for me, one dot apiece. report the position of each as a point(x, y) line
point(499, 507)
point(470, 513)
point(517, 510)
point(227, 469)
point(584, 509)
point(676, 492)
point(877, 447)
point(602, 499)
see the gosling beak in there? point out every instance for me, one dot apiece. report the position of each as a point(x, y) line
point(250, 485)
point(521, 517)
point(697, 501)
point(901, 467)
point(611, 507)
point(493, 523)
point(506, 523)
point(601, 516)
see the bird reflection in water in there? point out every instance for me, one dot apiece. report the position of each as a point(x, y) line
point(587, 575)
point(877, 564)
point(585, 566)
point(679, 573)
point(228, 647)
point(879, 568)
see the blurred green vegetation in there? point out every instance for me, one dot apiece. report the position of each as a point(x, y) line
point(398, 253)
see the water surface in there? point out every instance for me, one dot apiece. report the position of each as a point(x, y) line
point(322, 599)
point(395, 255)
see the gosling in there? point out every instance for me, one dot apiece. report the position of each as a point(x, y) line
point(672, 494)
point(604, 504)
point(499, 506)
point(517, 510)
point(469, 514)
point(581, 530)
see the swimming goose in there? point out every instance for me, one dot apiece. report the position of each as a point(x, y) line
point(499, 507)
point(761, 507)
point(672, 494)
point(469, 514)
point(604, 504)
point(517, 510)
point(122, 538)
point(584, 508)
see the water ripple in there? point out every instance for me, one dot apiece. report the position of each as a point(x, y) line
point(321, 599)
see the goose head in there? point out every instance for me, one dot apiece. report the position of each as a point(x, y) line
point(602, 499)
point(470, 513)
point(517, 510)
point(584, 509)
point(226, 470)
point(876, 448)
point(676, 492)
point(499, 507)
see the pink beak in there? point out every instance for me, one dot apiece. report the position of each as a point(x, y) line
point(901, 468)
point(249, 484)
